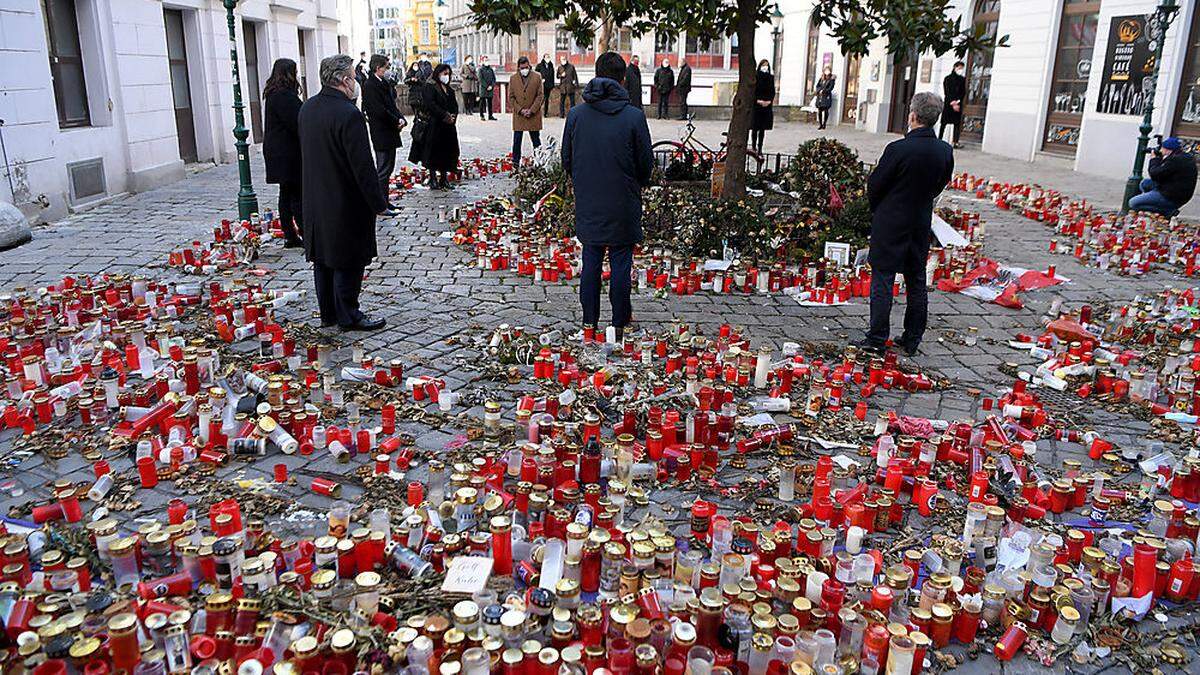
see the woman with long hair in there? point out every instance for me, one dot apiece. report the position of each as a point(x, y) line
point(824, 96)
point(281, 145)
point(762, 118)
point(440, 152)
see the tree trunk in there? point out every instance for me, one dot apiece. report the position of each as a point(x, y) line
point(743, 102)
point(604, 40)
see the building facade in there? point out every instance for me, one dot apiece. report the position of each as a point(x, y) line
point(389, 34)
point(421, 28)
point(103, 97)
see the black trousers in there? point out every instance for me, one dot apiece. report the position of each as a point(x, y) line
point(485, 107)
point(546, 100)
point(290, 209)
point(757, 136)
point(664, 106)
point(916, 307)
point(562, 103)
point(822, 117)
point(683, 109)
point(337, 294)
point(385, 163)
point(620, 284)
point(534, 136)
point(469, 103)
point(957, 129)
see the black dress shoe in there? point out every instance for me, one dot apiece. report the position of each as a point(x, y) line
point(293, 242)
point(868, 346)
point(905, 348)
point(365, 324)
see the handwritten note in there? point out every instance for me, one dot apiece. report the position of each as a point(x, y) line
point(467, 574)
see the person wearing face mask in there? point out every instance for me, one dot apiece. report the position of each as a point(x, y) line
point(683, 87)
point(384, 121)
point(633, 82)
point(901, 190)
point(762, 118)
point(546, 69)
point(341, 195)
point(440, 155)
point(470, 84)
point(568, 82)
point(664, 84)
point(525, 102)
point(487, 88)
point(824, 95)
point(954, 88)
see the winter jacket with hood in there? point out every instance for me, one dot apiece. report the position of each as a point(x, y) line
point(606, 152)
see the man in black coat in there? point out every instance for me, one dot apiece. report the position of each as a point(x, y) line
point(633, 82)
point(901, 190)
point(683, 86)
point(487, 89)
point(341, 195)
point(1172, 180)
point(664, 83)
point(384, 120)
point(606, 152)
point(360, 68)
point(546, 69)
point(954, 89)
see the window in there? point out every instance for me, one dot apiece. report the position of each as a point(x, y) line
point(424, 31)
point(850, 98)
point(1187, 110)
point(562, 40)
point(810, 64)
point(1072, 66)
point(665, 43)
point(624, 41)
point(529, 35)
point(704, 53)
point(66, 63)
point(302, 66)
point(979, 71)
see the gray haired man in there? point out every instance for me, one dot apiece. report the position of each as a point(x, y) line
point(901, 190)
point(342, 195)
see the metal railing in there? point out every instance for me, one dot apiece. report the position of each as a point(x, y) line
point(772, 162)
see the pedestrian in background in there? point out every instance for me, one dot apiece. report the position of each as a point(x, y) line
point(525, 102)
point(487, 88)
point(546, 69)
point(440, 154)
point(824, 94)
point(633, 82)
point(664, 84)
point(606, 152)
point(568, 82)
point(954, 88)
point(360, 68)
point(683, 87)
point(281, 146)
point(341, 195)
point(1172, 180)
point(762, 119)
point(384, 120)
point(901, 190)
point(470, 84)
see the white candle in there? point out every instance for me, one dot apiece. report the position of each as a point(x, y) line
point(854, 537)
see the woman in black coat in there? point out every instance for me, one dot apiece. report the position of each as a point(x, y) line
point(824, 95)
point(440, 152)
point(763, 118)
point(281, 146)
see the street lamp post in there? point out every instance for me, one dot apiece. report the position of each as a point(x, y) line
point(247, 200)
point(1158, 22)
point(776, 34)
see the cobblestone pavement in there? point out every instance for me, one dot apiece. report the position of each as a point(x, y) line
point(429, 290)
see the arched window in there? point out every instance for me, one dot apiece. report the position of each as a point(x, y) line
point(1072, 66)
point(979, 71)
point(1187, 109)
point(810, 65)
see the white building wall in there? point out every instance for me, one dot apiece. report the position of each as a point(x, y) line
point(133, 128)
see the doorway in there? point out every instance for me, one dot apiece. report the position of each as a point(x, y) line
point(181, 96)
point(850, 99)
point(253, 89)
point(904, 85)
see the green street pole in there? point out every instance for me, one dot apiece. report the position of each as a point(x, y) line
point(1164, 14)
point(247, 200)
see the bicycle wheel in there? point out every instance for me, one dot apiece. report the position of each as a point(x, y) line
point(671, 152)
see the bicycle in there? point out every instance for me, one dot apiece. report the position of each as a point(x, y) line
point(693, 152)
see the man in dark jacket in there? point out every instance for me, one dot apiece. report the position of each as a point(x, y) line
point(384, 120)
point(568, 82)
point(341, 195)
point(633, 82)
point(954, 88)
point(683, 87)
point(360, 68)
point(664, 84)
point(901, 190)
point(1172, 180)
point(545, 68)
point(606, 152)
point(487, 88)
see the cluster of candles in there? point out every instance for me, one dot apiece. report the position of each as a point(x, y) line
point(408, 177)
point(233, 245)
point(1129, 244)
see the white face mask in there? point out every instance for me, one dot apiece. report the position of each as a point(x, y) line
point(666, 64)
point(524, 72)
point(444, 78)
point(763, 69)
